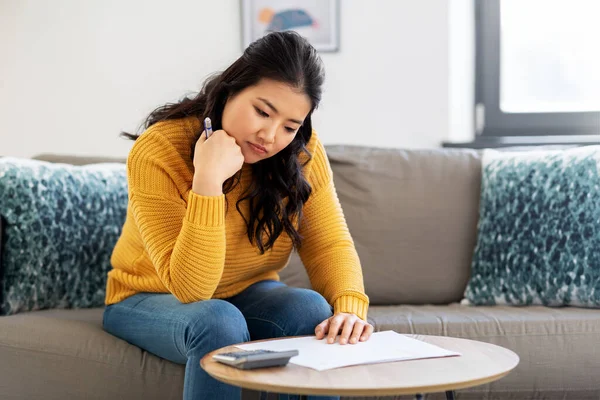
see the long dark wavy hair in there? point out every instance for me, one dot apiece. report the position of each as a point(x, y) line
point(284, 57)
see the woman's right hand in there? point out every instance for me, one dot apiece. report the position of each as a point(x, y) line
point(216, 159)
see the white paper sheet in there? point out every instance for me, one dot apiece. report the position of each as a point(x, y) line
point(383, 346)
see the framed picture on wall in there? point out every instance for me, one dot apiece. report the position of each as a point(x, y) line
point(316, 20)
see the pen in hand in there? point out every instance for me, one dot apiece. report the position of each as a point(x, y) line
point(208, 127)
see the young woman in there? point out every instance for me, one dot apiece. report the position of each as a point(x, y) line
point(210, 222)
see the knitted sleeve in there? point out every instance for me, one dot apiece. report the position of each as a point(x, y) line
point(327, 250)
point(183, 233)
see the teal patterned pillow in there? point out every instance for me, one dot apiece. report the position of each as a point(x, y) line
point(539, 229)
point(60, 224)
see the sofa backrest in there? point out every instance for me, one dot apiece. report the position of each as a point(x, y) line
point(412, 214)
point(413, 217)
point(77, 160)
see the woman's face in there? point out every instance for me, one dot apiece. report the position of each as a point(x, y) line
point(265, 118)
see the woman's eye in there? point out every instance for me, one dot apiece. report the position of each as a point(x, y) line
point(261, 112)
point(290, 130)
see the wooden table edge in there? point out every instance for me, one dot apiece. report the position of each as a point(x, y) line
point(389, 391)
point(361, 392)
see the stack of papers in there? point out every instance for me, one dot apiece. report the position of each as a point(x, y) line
point(386, 346)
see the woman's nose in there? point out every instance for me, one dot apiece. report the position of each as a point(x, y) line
point(267, 134)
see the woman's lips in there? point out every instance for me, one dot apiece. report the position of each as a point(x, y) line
point(257, 149)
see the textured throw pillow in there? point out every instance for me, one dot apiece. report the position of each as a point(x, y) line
point(539, 229)
point(61, 223)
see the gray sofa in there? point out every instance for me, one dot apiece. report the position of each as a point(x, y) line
point(413, 216)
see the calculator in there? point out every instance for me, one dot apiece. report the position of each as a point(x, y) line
point(251, 359)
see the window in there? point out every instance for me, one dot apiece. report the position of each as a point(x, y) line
point(537, 72)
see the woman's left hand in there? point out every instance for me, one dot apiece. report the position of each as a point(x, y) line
point(351, 326)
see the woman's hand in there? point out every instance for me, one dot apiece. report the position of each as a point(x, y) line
point(353, 329)
point(215, 160)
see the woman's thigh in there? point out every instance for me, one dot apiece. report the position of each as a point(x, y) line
point(273, 309)
point(162, 325)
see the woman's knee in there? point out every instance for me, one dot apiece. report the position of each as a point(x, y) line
point(306, 309)
point(215, 324)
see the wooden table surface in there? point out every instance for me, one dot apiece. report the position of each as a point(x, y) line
point(479, 363)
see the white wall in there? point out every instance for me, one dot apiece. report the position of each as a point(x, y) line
point(461, 83)
point(73, 74)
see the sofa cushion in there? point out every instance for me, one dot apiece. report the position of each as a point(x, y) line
point(413, 217)
point(61, 224)
point(65, 354)
point(539, 237)
point(558, 347)
point(1, 244)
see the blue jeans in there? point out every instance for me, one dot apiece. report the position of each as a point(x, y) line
point(184, 333)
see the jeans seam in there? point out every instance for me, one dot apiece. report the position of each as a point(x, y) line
point(271, 322)
point(104, 317)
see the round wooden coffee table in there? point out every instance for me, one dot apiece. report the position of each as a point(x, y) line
point(479, 363)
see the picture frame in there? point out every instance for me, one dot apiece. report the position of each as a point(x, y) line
point(316, 20)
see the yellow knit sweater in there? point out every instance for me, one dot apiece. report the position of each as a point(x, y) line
point(176, 241)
